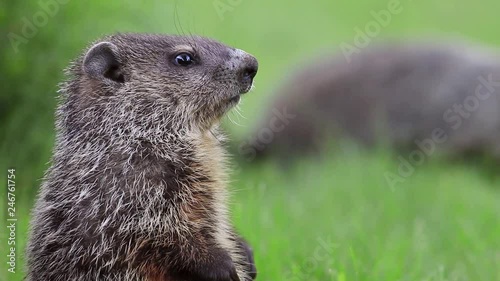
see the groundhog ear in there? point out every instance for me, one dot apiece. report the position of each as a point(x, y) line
point(101, 63)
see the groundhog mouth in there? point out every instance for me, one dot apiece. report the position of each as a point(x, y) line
point(235, 99)
point(247, 89)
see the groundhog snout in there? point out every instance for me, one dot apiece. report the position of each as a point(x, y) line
point(246, 67)
point(249, 69)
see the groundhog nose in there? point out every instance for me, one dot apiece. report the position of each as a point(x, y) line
point(250, 67)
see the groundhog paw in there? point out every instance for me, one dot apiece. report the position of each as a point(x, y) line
point(218, 267)
point(250, 263)
point(222, 270)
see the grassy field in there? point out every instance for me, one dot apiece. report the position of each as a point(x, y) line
point(340, 221)
point(331, 220)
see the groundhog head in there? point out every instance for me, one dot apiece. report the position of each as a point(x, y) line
point(155, 81)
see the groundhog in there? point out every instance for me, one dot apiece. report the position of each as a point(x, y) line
point(137, 185)
point(434, 97)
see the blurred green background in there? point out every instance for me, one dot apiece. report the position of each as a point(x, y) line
point(334, 220)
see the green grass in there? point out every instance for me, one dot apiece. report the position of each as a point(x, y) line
point(339, 220)
point(440, 224)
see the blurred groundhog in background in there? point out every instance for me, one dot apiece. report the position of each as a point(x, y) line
point(434, 97)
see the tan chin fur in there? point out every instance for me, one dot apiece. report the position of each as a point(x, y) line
point(213, 159)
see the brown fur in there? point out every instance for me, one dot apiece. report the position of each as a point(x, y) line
point(137, 189)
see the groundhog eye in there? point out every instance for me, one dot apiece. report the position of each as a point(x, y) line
point(183, 59)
